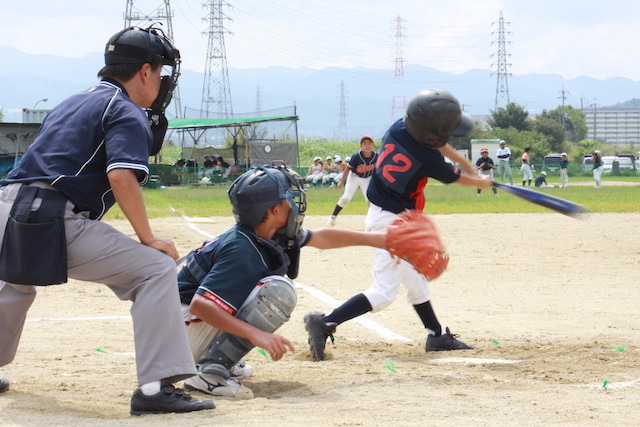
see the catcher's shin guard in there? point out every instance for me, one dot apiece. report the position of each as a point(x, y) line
point(269, 310)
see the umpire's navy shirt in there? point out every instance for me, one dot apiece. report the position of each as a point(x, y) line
point(402, 171)
point(81, 140)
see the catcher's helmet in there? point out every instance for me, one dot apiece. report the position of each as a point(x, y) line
point(261, 188)
point(433, 115)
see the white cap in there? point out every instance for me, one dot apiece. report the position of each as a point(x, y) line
point(564, 154)
point(543, 173)
point(329, 158)
point(502, 141)
point(597, 151)
point(337, 158)
point(316, 158)
point(347, 159)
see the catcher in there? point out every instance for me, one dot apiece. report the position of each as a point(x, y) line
point(411, 152)
point(233, 289)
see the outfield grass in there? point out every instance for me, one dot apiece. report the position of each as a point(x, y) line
point(441, 199)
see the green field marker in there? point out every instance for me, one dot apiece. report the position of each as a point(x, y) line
point(391, 366)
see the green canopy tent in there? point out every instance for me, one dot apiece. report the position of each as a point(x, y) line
point(261, 144)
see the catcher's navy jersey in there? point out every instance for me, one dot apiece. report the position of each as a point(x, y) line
point(84, 138)
point(402, 171)
point(361, 165)
point(233, 264)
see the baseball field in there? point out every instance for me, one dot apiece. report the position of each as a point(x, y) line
point(550, 302)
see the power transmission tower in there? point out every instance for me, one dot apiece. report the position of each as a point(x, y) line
point(342, 114)
point(216, 91)
point(162, 14)
point(398, 100)
point(501, 64)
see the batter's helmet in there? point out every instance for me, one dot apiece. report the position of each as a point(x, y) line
point(259, 189)
point(433, 116)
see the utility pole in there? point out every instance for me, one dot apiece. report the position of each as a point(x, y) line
point(216, 91)
point(501, 64)
point(258, 101)
point(563, 97)
point(399, 99)
point(342, 112)
point(162, 14)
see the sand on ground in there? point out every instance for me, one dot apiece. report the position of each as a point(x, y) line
point(551, 303)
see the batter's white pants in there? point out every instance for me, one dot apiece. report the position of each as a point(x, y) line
point(526, 171)
point(97, 252)
point(353, 183)
point(388, 272)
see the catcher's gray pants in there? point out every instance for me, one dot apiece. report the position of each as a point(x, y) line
point(97, 252)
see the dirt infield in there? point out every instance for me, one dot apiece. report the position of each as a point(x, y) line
point(550, 302)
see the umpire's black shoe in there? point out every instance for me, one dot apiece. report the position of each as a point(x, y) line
point(4, 384)
point(319, 331)
point(169, 399)
point(445, 342)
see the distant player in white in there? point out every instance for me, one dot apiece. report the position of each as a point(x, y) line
point(357, 175)
point(504, 168)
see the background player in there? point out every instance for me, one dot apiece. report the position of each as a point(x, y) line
point(92, 151)
point(409, 155)
point(224, 283)
point(485, 166)
point(357, 176)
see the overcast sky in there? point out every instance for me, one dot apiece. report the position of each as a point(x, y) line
point(571, 38)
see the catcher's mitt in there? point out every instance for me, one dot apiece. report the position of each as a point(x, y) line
point(414, 238)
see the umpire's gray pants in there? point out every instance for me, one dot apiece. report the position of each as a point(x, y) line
point(97, 252)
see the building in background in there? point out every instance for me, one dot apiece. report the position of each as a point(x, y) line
point(33, 115)
point(620, 126)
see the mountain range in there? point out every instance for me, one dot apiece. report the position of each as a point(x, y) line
point(26, 79)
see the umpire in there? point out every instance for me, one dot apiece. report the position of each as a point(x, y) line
point(92, 151)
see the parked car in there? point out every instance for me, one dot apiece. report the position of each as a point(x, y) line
point(632, 158)
point(587, 163)
point(624, 163)
point(551, 162)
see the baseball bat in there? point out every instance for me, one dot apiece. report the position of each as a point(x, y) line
point(557, 204)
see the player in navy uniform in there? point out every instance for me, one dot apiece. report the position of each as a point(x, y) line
point(410, 154)
point(357, 176)
point(91, 152)
point(485, 166)
point(233, 289)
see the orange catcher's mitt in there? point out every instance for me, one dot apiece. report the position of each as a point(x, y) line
point(414, 238)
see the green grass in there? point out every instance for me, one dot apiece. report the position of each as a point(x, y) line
point(441, 199)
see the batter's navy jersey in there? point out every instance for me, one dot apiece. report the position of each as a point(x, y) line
point(234, 263)
point(402, 171)
point(84, 138)
point(361, 165)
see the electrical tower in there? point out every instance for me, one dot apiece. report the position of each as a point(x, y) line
point(216, 91)
point(162, 14)
point(501, 64)
point(398, 100)
point(342, 113)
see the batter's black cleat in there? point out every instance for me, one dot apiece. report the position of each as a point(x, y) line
point(168, 400)
point(4, 384)
point(446, 342)
point(319, 331)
